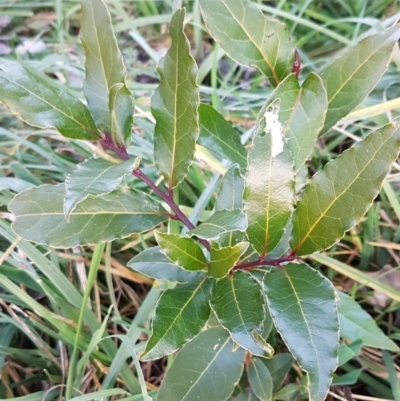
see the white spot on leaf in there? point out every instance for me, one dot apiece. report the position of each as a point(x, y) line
point(274, 127)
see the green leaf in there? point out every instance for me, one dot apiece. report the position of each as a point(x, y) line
point(184, 252)
point(336, 198)
point(180, 314)
point(246, 395)
point(302, 303)
point(238, 302)
point(153, 263)
point(352, 76)
point(291, 392)
point(44, 104)
point(347, 379)
point(344, 353)
point(220, 222)
point(93, 177)
point(260, 379)
point(231, 190)
point(268, 185)
point(302, 114)
point(279, 367)
point(218, 136)
point(109, 100)
point(223, 259)
point(40, 216)
point(174, 106)
point(205, 369)
point(356, 324)
point(121, 112)
point(250, 38)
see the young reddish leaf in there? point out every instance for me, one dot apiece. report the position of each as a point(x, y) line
point(336, 198)
point(184, 252)
point(94, 177)
point(199, 371)
point(44, 104)
point(250, 38)
point(155, 264)
point(238, 303)
point(223, 259)
point(174, 106)
point(39, 216)
point(269, 184)
point(303, 306)
point(180, 314)
point(222, 221)
point(353, 75)
point(260, 379)
point(218, 136)
point(109, 100)
point(302, 113)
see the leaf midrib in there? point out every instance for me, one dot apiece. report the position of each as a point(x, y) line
point(70, 117)
point(258, 48)
point(344, 191)
point(355, 71)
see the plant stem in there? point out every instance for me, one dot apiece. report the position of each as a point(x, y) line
point(263, 262)
point(167, 198)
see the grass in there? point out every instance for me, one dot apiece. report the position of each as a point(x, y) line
point(55, 311)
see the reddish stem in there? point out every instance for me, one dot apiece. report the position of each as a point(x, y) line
point(167, 198)
point(263, 262)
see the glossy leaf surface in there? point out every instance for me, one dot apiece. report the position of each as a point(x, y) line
point(238, 303)
point(357, 324)
point(218, 136)
point(200, 370)
point(302, 303)
point(352, 76)
point(93, 177)
point(155, 264)
point(302, 113)
point(250, 38)
point(223, 259)
point(269, 188)
point(336, 198)
point(231, 190)
point(40, 103)
point(260, 379)
point(220, 222)
point(184, 252)
point(40, 216)
point(109, 100)
point(180, 314)
point(174, 106)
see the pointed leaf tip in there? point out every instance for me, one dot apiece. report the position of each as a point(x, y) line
point(333, 202)
point(174, 106)
point(249, 37)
